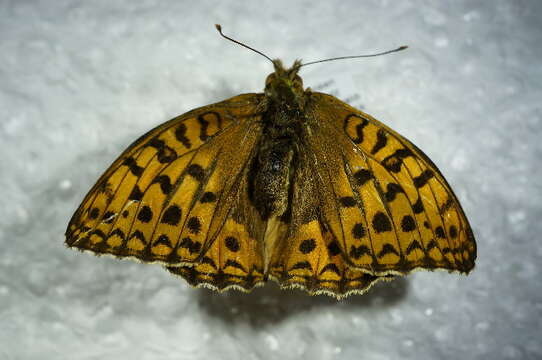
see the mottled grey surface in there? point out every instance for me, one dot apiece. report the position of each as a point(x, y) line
point(80, 80)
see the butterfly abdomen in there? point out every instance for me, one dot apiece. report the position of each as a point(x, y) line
point(273, 166)
point(271, 178)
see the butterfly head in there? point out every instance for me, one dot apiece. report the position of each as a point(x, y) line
point(285, 86)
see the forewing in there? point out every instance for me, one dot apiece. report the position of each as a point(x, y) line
point(384, 200)
point(165, 198)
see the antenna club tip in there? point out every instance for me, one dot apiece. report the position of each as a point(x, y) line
point(218, 27)
point(400, 47)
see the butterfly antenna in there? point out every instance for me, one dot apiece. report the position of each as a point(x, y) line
point(219, 28)
point(400, 48)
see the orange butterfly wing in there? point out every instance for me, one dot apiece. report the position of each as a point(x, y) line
point(367, 204)
point(309, 258)
point(305, 253)
point(169, 195)
point(233, 260)
point(384, 200)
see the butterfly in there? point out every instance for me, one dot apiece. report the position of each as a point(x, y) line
point(288, 185)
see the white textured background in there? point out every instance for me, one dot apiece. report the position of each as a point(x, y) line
point(80, 80)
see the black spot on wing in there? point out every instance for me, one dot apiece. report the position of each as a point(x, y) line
point(136, 194)
point(108, 217)
point(432, 244)
point(412, 246)
point(307, 246)
point(394, 161)
point(446, 206)
point(94, 213)
point(196, 171)
point(180, 135)
point(165, 183)
point(232, 244)
point(172, 215)
point(204, 123)
point(209, 261)
point(359, 127)
point(387, 249)
point(165, 153)
point(119, 233)
point(381, 141)
point(408, 224)
point(208, 197)
point(453, 231)
point(330, 267)
point(347, 201)
point(381, 222)
point(234, 264)
point(358, 231)
point(417, 208)
point(357, 252)
point(192, 246)
point(302, 265)
point(132, 165)
point(333, 248)
point(423, 178)
point(156, 143)
point(139, 235)
point(163, 240)
point(392, 190)
point(194, 225)
point(99, 233)
point(362, 176)
point(145, 214)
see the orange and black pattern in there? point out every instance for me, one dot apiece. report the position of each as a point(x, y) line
point(290, 185)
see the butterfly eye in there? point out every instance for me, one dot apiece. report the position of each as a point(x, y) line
point(298, 82)
point(271, 78)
